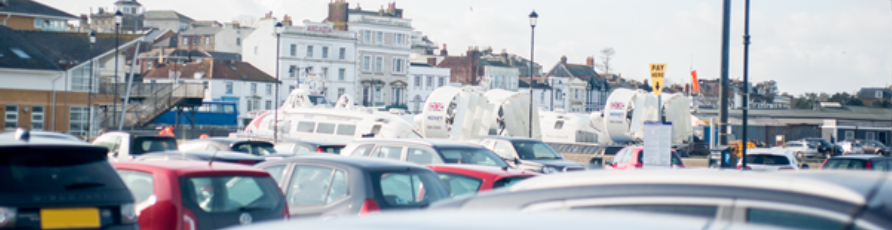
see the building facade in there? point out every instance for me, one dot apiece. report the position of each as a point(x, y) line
point(32, 15)
point(597, 88)
point(227, 37)
point(423, 80)
point(132, 20)
point(166, 20)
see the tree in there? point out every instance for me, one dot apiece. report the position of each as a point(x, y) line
point(245, 20)
point(882, 104)
point(606, 56)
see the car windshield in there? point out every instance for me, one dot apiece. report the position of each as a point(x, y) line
point(765, 159)
point(470, 155)
point(153, 144)
point(231, 193)
point(55, 170)
point(849, 164)
point(505, 182)
point(403, 189)
point(255, 148)
point(534, 150)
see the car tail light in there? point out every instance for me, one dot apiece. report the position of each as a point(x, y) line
point(369, 206)
point(190, 221)
point(285, 213)
point(787, 168)
point(128, 214)
point(868, 165)
point(825, 163)
point(320, 150)
point(638, 165)
point(7, 217)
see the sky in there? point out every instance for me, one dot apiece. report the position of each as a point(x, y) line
point(805, 45)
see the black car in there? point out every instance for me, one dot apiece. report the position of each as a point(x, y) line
point(529, 154)
point(292, 146)
point(858, 162)
point(325, 185)
point(800, 200)
point(48, 183)
point(253, 147)
point(824, 146)
point(217, 156)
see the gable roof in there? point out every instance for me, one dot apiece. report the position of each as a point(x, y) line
point(12, 45)
point(871, 92)
point(54, 46)
point(32, 8)
point(214, 69)
point(165, 14)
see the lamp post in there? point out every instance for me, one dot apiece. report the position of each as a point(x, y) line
point(90, 88)
point(533, 18)
point(746, 87)
point(66, 63)
point(118, 18)
point(276, 105)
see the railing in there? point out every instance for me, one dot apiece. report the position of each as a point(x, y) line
point(162, 99)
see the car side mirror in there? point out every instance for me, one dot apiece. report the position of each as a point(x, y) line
point(804, 166)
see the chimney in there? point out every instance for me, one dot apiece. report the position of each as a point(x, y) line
point(590, 61)
point(564, 59)
point(337, 14)
point(432, 61)
point(286, 20)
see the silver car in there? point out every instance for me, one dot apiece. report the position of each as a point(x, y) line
point(802, 149)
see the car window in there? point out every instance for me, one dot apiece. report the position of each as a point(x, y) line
point(50, 170)
point(458, 185)
point(505, 182)
point(470, 155)
point(338, 187)
point(309, 185)
point(276, 172)
point(408, 188)
point(142, 145)
point(231, 193)
point(618, 158)
point(627, 156)
point(141, 184)
point(880, 165)
point(362, 150)
point(504, 149)
point(843, 163)
point(786, 219)
point(687, 210)
point(423, 157)
point(674, 160)
point(388, 152)
point(286, 147)
point(532, 150)
point(764, 159)
point(255, 148)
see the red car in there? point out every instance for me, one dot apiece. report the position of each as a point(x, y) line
point(192, 195)
point(462, 179)
point(630, 158)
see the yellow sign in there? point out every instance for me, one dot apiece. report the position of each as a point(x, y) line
point(656, 77)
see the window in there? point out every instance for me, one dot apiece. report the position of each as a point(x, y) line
point(687, 210)
point(37, 117)
point(441, 81)
point(366, 63)
point(341, 73)
point(238, 41)
point(256, 104)
point(367, 36)
point(423, 157)
point(379, 61)
point(341, 91)
point(255, 50)
point(397, 96)
point(504, 150)
point(380, 37)
point(534, 150)
point(430, 81)
point(408, 189)
point(312, 185)
point(249, 104)
point(306, 127)
point(269, 105)
point(417, 80)
point(458, 185)
point(293, 50)
point(392, 153)
point(559, 94)
point(790, 219)
point(346, 130)
point(77, 124)
point(325, 52)
point(878, 94)
point(141, 185)
point(309, 51)
point(269, 89)
point(186, 42)
point(558, 124)
point(325, 73)
point(342, 53)
point(12, 117)
point(377, 95)
point(477, 156)
point(254, 88)
point(239, 192)
point(228, 87)
point(20, 53)
point(279, 170)
point(325, 128)
point(871, 135)
point(207, 40)
point(399, 65)
point(850, 135)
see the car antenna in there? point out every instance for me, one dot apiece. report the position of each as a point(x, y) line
point(212, 157)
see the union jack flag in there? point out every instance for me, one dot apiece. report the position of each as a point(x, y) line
point(435, 106)
point(617, 105)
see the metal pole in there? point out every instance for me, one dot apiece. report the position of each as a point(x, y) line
point(117, 95)
point(276, 114)
point(532, 52)
point(65, 104)
point(129, 86)
point(552, 94)
point(723, 98)
point(746, 88)
point(90, 97)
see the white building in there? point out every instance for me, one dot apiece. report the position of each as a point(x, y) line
point(499, 76)
point(166, 20)
point(220, 38)
point(423, 80)
point(314, 54)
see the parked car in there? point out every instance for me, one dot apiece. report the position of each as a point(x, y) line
point(253, 147)
point(469, 179)
point(859, 162)
point(49, 183)
point(217, 156)
point(789, 200)
point(123, 146)
point(424, 151)
point(851, 147)
point(874, 147)
point(327, 186)
point(292, 146)
point(824, 146)
point(632, 157)
point(191, 195)
point(802, 149)
point(45, 134)
point(772, 159)
point(529, 154)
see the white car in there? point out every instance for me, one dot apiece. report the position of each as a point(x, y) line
point(851, 147)
point(802, 149)
point(773, 159)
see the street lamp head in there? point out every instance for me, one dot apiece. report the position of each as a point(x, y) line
point(119, 17)
point(533, 17)
point(279, 27)
point(92, 37)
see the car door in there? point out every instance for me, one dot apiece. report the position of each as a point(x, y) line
point(618, 158)
point(317, 190)
point(142, 185)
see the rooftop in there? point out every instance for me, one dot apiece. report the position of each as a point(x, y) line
point(42, 50)
point(214, 69)
point(165, 15)
point(33, 8)
point(202, 31)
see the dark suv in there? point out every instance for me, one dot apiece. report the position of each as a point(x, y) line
point(52, 183)
point(824, 146)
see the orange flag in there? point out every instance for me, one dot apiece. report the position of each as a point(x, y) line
point(694, 82)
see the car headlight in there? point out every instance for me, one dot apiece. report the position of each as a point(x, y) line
point(546, 169)
point(128, 214)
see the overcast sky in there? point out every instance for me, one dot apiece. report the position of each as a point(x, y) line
point(805, 45)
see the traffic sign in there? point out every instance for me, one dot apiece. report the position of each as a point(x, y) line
point(657, 70)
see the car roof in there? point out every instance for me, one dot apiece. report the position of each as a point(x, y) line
point(220, 154)
point(9, 141)
point(859, 156)
point(507, 138)
point(480, 170)
point(293, 140)
point(356, 162)
point(188, 168)
point(227, 140)
point(849, 186)
point(427, 142)
point(769, 151)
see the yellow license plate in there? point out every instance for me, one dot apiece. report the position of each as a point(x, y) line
point(62, 218)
